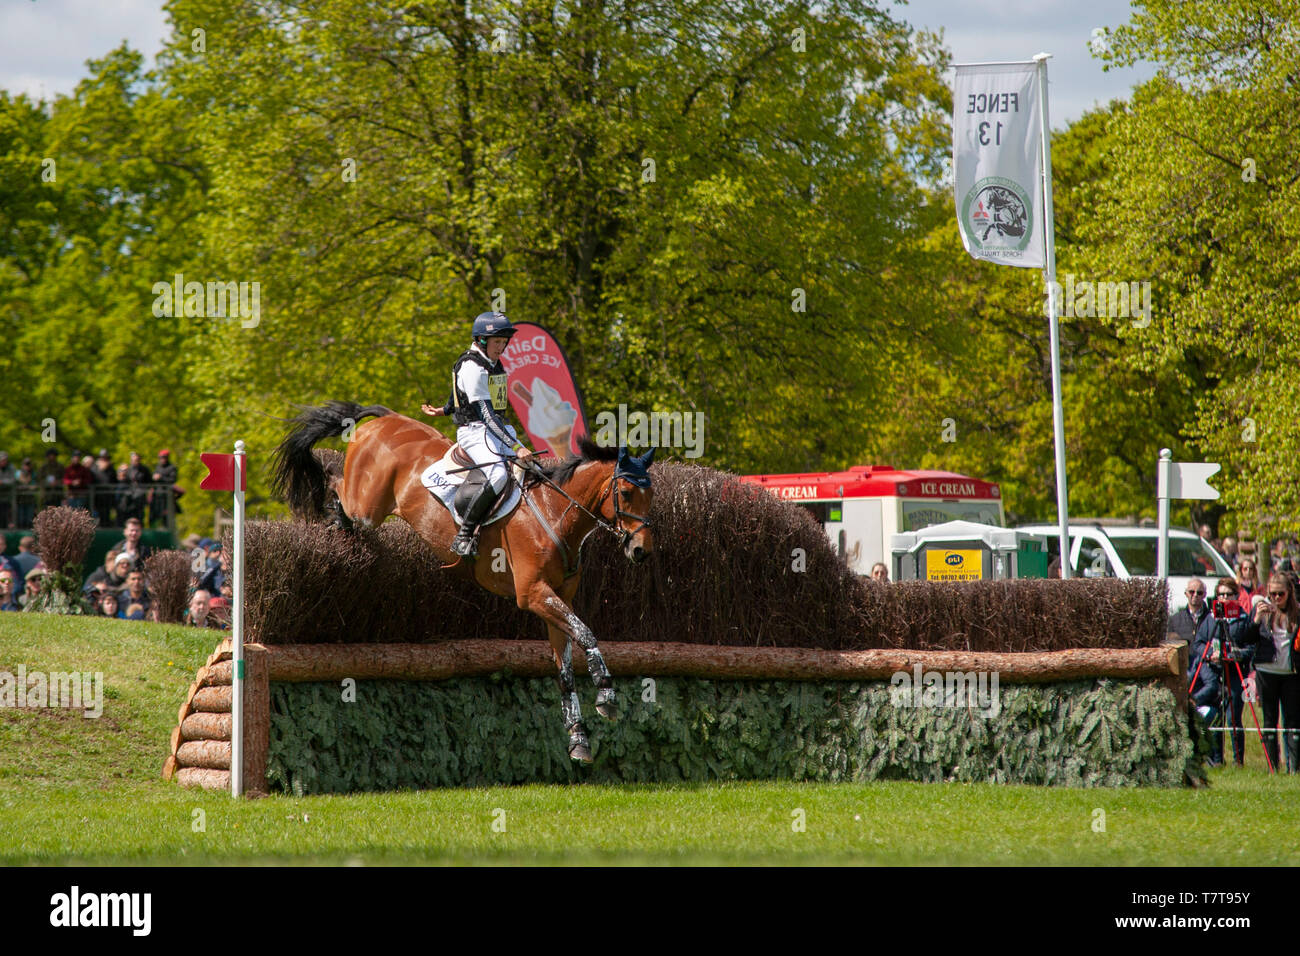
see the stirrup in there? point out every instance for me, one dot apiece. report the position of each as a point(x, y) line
point(465, 543)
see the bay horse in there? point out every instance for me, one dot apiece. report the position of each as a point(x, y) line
point(565, 502)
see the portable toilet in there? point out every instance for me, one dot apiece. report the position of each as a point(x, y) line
point(966, 551)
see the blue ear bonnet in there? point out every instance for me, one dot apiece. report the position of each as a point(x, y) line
point(634, 469)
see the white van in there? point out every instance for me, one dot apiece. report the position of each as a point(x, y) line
point(1127, 552)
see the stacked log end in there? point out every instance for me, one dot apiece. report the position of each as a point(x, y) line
point(201, 742)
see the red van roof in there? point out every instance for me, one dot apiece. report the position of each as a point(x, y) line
point(874, 481)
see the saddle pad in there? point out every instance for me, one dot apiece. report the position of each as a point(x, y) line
point(443, 481)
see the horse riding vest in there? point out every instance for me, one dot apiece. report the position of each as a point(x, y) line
point(466, 408)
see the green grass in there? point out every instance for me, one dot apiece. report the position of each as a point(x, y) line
point(89, 791)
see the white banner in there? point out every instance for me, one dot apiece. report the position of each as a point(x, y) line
point(997, 161)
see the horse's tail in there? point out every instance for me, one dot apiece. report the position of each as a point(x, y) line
point(298, 476)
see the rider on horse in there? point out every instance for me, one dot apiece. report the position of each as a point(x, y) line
point(478, 397)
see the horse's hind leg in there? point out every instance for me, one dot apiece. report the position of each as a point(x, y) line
point(562, 648)
point(338, 518)
point(355, 511)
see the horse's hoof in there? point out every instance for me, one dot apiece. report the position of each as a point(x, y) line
point(606, 705)
point(578, 748)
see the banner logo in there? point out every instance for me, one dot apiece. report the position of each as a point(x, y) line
point(996, 212)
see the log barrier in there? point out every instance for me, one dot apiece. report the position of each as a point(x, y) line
point(200, 751)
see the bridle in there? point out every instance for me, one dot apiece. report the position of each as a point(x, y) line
point(623, 535)
point(619, 514)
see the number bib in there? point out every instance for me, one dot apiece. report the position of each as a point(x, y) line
point(497, 389)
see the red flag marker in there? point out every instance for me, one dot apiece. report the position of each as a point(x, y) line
point(221, 474)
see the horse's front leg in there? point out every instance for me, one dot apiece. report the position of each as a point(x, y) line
point(606, 704)
point(570, 709)
point(564, 629)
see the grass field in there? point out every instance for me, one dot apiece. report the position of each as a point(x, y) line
point(76, 790)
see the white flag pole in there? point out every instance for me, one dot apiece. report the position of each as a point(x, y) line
point(237, 633)
point(1164, 468)
point(1049, 237)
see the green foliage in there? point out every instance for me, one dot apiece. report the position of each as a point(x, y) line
point(480, 732)
point(382, 172)
point(100, 188)
point(1200, 197)
point(61, 594)
point(504, 147)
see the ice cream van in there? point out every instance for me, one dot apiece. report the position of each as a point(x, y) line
point(862, 507)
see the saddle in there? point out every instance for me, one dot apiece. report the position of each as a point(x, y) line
point(456, 489)
point(459, 456)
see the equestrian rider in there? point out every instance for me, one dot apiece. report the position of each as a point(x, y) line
point(478, 397)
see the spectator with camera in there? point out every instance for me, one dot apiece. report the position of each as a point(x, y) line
point(198, 613)
point(1273, 633)
point(1220, 655)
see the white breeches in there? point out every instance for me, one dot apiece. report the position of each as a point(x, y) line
point(486, 451)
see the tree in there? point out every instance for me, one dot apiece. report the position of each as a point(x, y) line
point(99, 190)
point(501, 150)
point(1203, 199)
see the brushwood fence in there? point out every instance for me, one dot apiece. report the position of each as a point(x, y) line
point(371, 669)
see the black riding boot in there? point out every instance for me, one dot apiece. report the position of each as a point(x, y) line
point(466, 542)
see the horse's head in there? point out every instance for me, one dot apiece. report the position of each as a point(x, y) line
point(629, 503)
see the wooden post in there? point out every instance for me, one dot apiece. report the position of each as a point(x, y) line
point(1177, 681)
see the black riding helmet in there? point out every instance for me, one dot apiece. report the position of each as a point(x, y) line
point(490, 325)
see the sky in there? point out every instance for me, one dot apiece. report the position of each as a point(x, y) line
point(991, 30)
point(44, 43)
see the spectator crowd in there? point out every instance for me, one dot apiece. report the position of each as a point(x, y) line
point(113, 493)
point(119, 589)
point(1245, 651)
